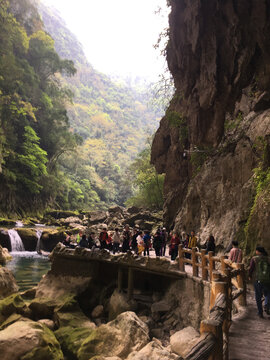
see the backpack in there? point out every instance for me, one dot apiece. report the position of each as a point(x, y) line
point(263, 270)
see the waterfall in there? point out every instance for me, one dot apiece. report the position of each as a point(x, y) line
point(39, 233)
point(15, 241)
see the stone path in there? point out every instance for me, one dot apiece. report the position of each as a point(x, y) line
point(249, 334)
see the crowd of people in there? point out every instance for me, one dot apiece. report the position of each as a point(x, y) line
point(141, 242)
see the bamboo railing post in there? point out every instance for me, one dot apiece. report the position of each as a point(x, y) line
point(204, 263)
point(216, 278)
point(241, 282)
point(223, 264)
point(194, 261)
point(212, 326)
point(211, 264)
point(181, 255)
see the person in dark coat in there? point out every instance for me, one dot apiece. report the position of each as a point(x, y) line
point(210, 244)
point(126, 239)
point(83, 243)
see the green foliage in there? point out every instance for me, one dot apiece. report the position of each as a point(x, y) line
point(178, 120)
point(233, 124)
point(147, 183)
point(197, 159)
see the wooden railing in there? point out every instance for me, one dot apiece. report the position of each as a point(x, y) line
point(228, 283)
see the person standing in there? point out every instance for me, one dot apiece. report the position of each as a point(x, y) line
point(140, 243)
point(126, 239)
point(84, 243)
point(103, 237)
point(175, 241)
point(164, 237)
point(210, 244)
point(134, 244)
point(259, 273)
point(235, 254)
point(116, 240)
point(147, 242)
point(192, 240)
point(157, 243)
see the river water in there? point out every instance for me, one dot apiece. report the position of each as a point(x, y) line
point(28, 268)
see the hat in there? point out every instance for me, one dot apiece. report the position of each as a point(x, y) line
point(261, 250)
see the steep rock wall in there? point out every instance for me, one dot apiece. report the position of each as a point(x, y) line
point(215, 131)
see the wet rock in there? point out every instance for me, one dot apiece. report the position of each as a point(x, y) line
point(4, 256)
point(7, 222)
point(50, 238)
point(153, 351)
point(4, 239)
point(184, 340)
point(29, 340)
point(8, 283)
point(29, 238)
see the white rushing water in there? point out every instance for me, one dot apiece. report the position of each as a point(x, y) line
point(15, 241)
point(39, 233)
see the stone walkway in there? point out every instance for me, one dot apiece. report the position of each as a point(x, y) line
point(249, 334)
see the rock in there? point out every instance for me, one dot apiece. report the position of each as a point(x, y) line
point(71, 219)
point(28, 340)
point(157, 333)
point(4, 239)
point(47, 322)
point(12, 304)
point(58, 214)
point(8, 283)
point(119, 337)
point(97, 217)
point(50, 238)
point(184, 340)
point(97, 312)
point(161, 307)
point(7, 222)
point(153, 351)
point(4, 256)
point(29, 238)
point(118, 304)
point(29, 294)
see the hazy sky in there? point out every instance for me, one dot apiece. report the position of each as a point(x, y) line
point(117, 35)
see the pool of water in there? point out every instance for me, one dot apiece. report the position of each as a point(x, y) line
point(28, 268)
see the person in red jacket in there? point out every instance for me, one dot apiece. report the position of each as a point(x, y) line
point(103, 237)
point(175, 241)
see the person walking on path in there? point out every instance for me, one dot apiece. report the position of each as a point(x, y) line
point(157, 243)
point(259, 273)
point(164, 236)
point(134, 245)
point(140, 243)
point(235, 254)
point(210, 244)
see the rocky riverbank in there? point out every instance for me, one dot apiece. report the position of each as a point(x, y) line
point(56, 223)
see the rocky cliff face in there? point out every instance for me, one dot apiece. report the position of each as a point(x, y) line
point(216, 130)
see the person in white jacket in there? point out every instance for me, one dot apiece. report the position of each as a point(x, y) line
point(116, 240)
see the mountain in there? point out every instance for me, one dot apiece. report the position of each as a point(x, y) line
point(113, 119)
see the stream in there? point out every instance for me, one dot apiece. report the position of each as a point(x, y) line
point(28, 268)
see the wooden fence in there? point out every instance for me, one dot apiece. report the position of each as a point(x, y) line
point(228, 283)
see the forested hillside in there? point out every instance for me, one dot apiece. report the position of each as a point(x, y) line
point(68, 133)
point(113, 119)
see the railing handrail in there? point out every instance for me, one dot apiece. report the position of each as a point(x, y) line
point(222, 296)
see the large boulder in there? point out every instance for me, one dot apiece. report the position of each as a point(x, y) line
point(29, 238)
point(4, 255)
point(28, 340)
point(153, 351)
point(8, 284)
point(4, 239)
point(184, 340)
point(59, 214)
point(119, 337)
point(97, 217)
point(50, 238)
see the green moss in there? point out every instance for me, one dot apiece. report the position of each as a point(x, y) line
point(233, 124)
point(48, 349)
point(71, 339)
point(10, 305)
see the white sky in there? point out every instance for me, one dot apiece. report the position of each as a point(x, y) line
point(117, 35)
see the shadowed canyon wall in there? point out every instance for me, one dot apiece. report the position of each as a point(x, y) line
point(216, 130)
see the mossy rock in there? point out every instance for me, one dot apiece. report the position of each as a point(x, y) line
point(29, 238)
point(12, 304)
point(71, 339)
point(4, 239)
point(10, 320)
point(28, 340)
point(51, 237)
point(73, 319)
point(7, 222)
point(59, 214)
